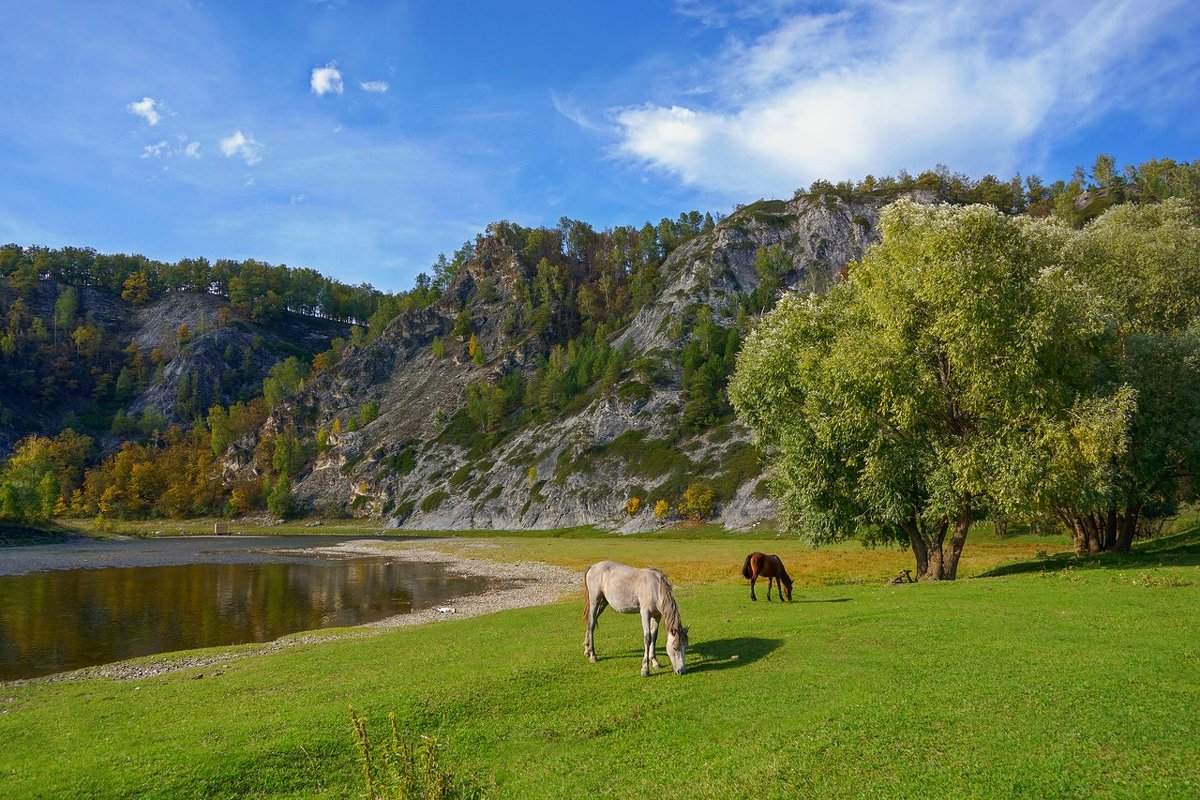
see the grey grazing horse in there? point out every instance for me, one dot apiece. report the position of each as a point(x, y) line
point(629, 590)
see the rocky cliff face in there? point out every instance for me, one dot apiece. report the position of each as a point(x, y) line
point(420, 464)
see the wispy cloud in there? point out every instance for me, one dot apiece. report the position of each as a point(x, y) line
point(326, 79)
point(876, 86)
point(376, 87)
point(155, 150)
point(146, 109)
point(241, 146)
point(164, 149)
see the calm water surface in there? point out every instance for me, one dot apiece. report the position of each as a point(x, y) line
point(152, 596)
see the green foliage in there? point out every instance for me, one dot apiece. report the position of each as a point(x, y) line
point(1143, 262)
point(42, 472)
point(949, 375)
point(290, 454)
point(368, 413)
point(284, 381)
point(462, 325)
point(433, 501)
point(438, 347)
point(280, 501)
point(461, 476)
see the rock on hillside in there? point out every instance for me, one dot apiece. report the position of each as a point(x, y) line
point(222, 358)
point(423, 464)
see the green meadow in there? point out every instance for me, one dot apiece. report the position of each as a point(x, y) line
point(1035, 675)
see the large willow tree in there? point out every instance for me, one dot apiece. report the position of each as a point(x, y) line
point(1144, 263)
point(952, 375)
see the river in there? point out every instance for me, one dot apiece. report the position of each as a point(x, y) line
point(81, 603)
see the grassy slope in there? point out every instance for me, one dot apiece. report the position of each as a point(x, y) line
point(1069, 679)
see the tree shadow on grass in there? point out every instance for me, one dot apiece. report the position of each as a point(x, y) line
point(727, 653)
point(1176, 550)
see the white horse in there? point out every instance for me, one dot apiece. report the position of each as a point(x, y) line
point(628, 589)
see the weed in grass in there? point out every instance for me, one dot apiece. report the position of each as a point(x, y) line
point(408, 767)
point(1148, 581)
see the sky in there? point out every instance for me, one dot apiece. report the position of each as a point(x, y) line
point(364, 138)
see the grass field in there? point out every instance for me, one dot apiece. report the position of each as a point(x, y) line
point(1039, 676)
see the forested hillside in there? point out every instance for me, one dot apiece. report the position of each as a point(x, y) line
point(538, 377)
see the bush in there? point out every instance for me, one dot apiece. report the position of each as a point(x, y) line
point(632, 505)
point(662, 508)
point(698, 500)
point(433, 501)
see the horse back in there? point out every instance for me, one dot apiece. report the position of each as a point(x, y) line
point(625, 588)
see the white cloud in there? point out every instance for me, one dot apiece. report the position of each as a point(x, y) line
point(876, 87)
point(376, 87)
point(192, 150)
point(239, 145)
point(145, 108)
point(326, 79)
point(156, 150)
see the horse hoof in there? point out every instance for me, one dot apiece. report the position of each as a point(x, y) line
point(592, 658)
point(645, 672)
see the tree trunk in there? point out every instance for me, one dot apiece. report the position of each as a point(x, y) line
point(1093, 527)
point(961, 526)
point(1085, 534)
point(932, 540)
point(1126, 528)
point(920, 551)
point(1109, 541)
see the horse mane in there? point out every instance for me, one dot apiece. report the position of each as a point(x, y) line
point(787, 579)
point(666, 600)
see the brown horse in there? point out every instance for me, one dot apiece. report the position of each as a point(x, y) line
point(759, 565)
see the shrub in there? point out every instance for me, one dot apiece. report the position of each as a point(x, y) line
point(632, 505)
point(662, 508)
point(698, 500)
point(433, 501)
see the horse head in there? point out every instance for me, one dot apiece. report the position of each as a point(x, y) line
point(677, 642)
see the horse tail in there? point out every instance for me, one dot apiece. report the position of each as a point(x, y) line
point(746, 567)
point(587, 600)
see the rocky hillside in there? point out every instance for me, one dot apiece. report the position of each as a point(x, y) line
point(425, 457)
point(118, 371)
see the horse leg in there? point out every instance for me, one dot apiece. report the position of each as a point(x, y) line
point(647, 643)
point(654, 644)
point(752, 579)
point(589, 644)
point(770, 581)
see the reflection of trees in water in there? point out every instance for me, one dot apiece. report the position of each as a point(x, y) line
point(52, 621)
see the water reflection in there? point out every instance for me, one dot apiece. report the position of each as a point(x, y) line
point(66, 619)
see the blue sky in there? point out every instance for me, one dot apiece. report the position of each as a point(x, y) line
point(363, 138)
